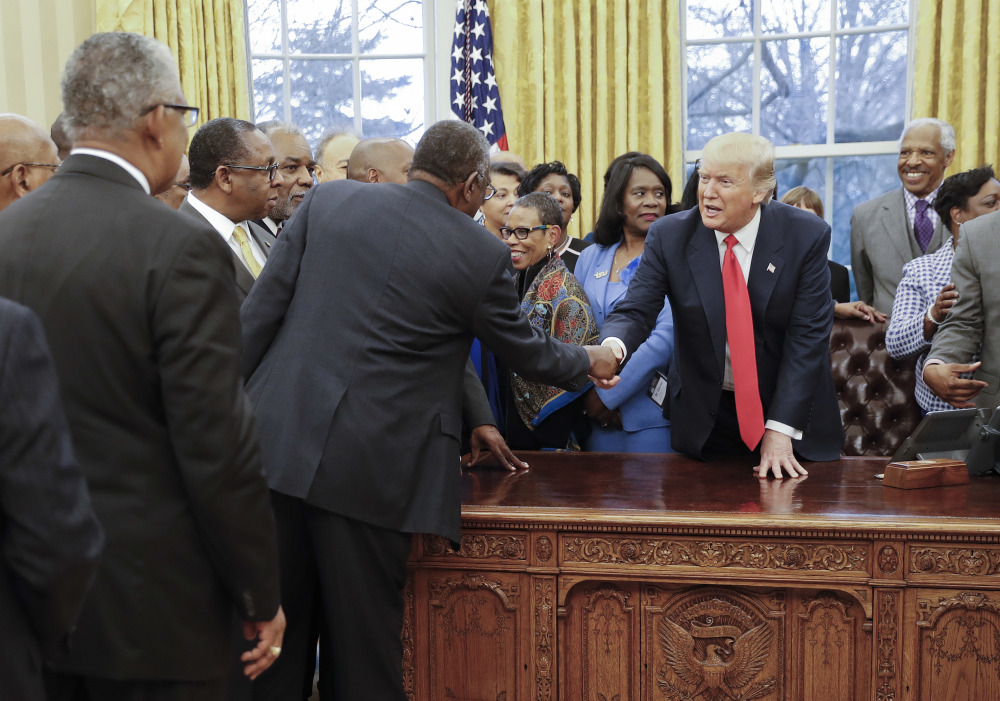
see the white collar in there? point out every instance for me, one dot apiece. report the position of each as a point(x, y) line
point(117, 160)
point(220, 222)
point(747, 236)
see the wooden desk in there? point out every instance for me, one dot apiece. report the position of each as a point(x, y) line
point(613, 577)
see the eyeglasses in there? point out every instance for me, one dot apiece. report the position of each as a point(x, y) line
point(271, 169)
point(490, 190)
point(190, 113)
point(521, 232)
point(186, 187)
point(53, 166)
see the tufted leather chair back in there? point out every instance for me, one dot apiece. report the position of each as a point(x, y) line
point(875, 391)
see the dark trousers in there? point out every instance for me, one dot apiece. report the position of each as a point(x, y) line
point(725, 436)
point(348, 576)
point(66, 687)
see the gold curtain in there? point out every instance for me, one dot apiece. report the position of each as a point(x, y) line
point(957, 75)
point(583, 81)
point(208, 38)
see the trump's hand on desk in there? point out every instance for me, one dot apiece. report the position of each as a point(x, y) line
point(603, 366)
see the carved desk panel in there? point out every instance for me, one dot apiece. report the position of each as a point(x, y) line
point(603, 576)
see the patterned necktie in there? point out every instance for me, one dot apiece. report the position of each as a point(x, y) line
point(241, 238)
point(742, 353)
point(922, 227)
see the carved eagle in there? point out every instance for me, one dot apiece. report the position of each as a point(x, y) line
point(726, 668)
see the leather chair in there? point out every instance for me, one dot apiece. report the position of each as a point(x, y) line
point(877, 405)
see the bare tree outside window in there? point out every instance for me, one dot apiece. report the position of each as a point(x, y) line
point(825, 80)
point(339, 64)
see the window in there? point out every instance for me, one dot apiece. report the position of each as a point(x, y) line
point(826, 81)
point(359, 65)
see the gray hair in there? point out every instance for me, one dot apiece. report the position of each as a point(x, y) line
point(946, 132)
point(545, 205)
point(451, 150)
point(325, 141)
point(276, 127)
point(111, 78)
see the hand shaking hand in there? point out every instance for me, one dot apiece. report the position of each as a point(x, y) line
point(603, 366)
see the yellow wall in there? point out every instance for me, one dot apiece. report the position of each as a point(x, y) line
point(36, 38)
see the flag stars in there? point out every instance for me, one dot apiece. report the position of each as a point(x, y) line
point(487, 129)
point(491, 81)
point(489, 105)
point(479, 30)
point(476, 55)
point(458, 53)
point(457, 77)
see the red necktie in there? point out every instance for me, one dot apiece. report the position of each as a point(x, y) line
point(742, 353)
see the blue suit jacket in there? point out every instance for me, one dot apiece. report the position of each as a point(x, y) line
point(629, 396)
point(789, 288)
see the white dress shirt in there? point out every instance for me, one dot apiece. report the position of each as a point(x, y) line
point(225, 226)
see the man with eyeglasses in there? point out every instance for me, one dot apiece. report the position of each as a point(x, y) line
point(235, 180)
point(140, 310)
point(297, 168)
point(27, 158)
point(174, 195)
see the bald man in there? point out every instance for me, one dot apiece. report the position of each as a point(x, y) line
point(332, 153)
point(506, 157)
point(380, 161)
point(27, 158)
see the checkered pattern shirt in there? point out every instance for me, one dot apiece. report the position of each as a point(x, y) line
point(923, 279)
point(911, 210)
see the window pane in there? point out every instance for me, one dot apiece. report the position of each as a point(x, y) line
point(858, 179)
point(871, 13)
point(719, 91)
point(319, 30)
point(391, 26)
point(794, 91)
point(268, 95)
point(710, 19)
point(783, 17)
point(322, 96)
point(804, 172)
point(871, 86)
point(264, 26)
point(392, 98)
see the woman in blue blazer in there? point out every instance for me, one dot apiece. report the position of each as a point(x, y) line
point(624, 419)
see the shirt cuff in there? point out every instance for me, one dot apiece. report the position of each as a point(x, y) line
point(933, 361)
point(617, 347)
point(793, 433)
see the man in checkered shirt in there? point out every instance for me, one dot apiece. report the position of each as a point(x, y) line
point(925, 294)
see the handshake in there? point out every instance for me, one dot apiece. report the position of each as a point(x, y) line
point(604, 362)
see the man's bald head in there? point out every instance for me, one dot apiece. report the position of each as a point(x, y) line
point(380, 161)
point(27, 157)
point(507, 157)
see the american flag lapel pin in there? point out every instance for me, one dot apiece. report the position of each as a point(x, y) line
point(770, 267)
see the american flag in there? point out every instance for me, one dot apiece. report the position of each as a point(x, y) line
point(474, 93)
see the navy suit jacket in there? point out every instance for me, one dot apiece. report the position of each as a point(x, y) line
point(355, 337)
point(789, 288)
point(50, 536)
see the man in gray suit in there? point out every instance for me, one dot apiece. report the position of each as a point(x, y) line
point(893, 229)
point(355, 340)
point(235, 179)
point(50, 535)
point(139, 305)
point(973, 324)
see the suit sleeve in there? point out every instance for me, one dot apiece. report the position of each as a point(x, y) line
point(861, 266)
point(499, 323)
point(51, 538)
point(806, 347)
point(905, 335)
point(264, 308)
point(475, 404)
point(654, 354)
point(961, 334)
point(635, 316)
point(197, 336)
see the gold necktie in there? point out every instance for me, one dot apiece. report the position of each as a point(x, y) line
point(241, 238)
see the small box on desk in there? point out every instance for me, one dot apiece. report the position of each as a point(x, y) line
point(918, 474)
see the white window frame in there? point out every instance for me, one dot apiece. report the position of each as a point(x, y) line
point(438, 19)
point(830, 149)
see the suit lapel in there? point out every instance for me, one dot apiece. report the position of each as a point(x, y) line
point(244, 280)
point(891, 215)
point(765, 265)
point(703, 261)
point(264, 238)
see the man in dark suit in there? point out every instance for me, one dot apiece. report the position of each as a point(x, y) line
point(235, 179)
point(51, 538)
point(751, 370)
point(355, 339)
point(140, 309)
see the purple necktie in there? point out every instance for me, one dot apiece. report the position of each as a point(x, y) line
point(922, 226)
